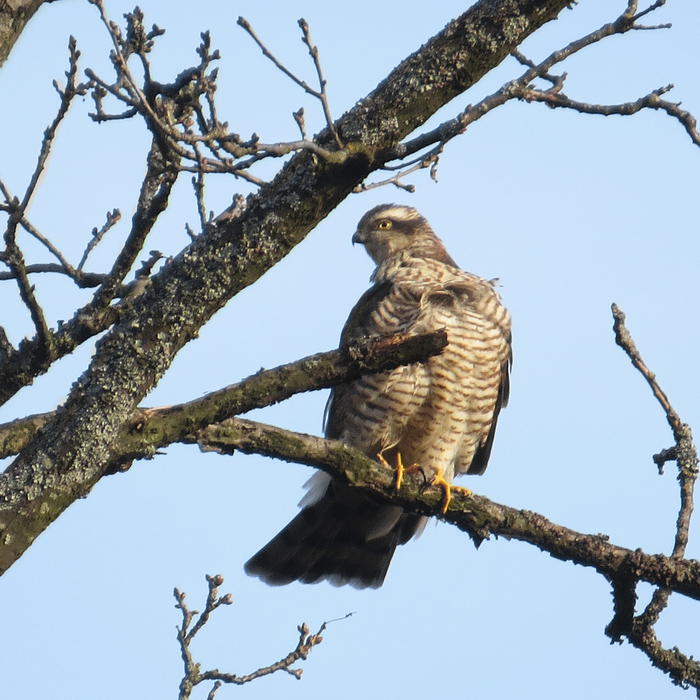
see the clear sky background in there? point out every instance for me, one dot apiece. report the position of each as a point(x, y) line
point(571, 212)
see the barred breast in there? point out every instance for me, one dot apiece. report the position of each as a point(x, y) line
point(439, 413)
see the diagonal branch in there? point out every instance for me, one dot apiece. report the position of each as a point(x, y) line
point(149, 429)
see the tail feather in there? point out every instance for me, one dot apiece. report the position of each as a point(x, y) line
point(345, 538)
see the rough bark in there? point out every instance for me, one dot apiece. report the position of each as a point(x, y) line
point(14, 15)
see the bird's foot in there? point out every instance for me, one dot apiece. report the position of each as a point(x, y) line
point(400, 470)
point(439, 480)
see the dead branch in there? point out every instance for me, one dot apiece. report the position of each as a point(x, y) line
point(639, 629)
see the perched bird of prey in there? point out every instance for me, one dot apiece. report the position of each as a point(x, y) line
point(439, 415)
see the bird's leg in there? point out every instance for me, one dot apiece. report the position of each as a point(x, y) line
point(439, 480)
point(399, 469)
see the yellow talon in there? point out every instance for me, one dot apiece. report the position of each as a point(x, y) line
point(400, 469)
point(439, 480)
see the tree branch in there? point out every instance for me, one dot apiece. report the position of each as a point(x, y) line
point(476, 515)
point(149, 429)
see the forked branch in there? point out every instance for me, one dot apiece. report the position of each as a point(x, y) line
point(186, 632)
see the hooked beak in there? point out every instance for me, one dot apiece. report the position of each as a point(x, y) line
point(357, 237)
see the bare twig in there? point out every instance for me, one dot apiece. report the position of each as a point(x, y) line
point(313, 51)
point(684, 451)
point(98, 234)
point(29, 228)
point(12, 256)
point(322, 95)
point(186, 634)
point(67, 95)
point(651, 101)
point(624, 340)
point(82, 279)
point(429, 160)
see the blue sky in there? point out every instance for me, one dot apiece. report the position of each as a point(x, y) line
point(571, 212)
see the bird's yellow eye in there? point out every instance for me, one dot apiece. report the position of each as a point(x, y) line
point(384, 224)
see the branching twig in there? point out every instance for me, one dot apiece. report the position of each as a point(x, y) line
point(651, 101)
point(429, 160)
point(12, 255)
point(313, 51)
point(321, 94)
point(185, 635)
point(172, 110)
point(639, 630)
point(521, 88)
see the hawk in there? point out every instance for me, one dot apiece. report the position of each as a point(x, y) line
point(439, 415)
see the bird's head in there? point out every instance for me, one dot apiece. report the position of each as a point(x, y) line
point(391, 229)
